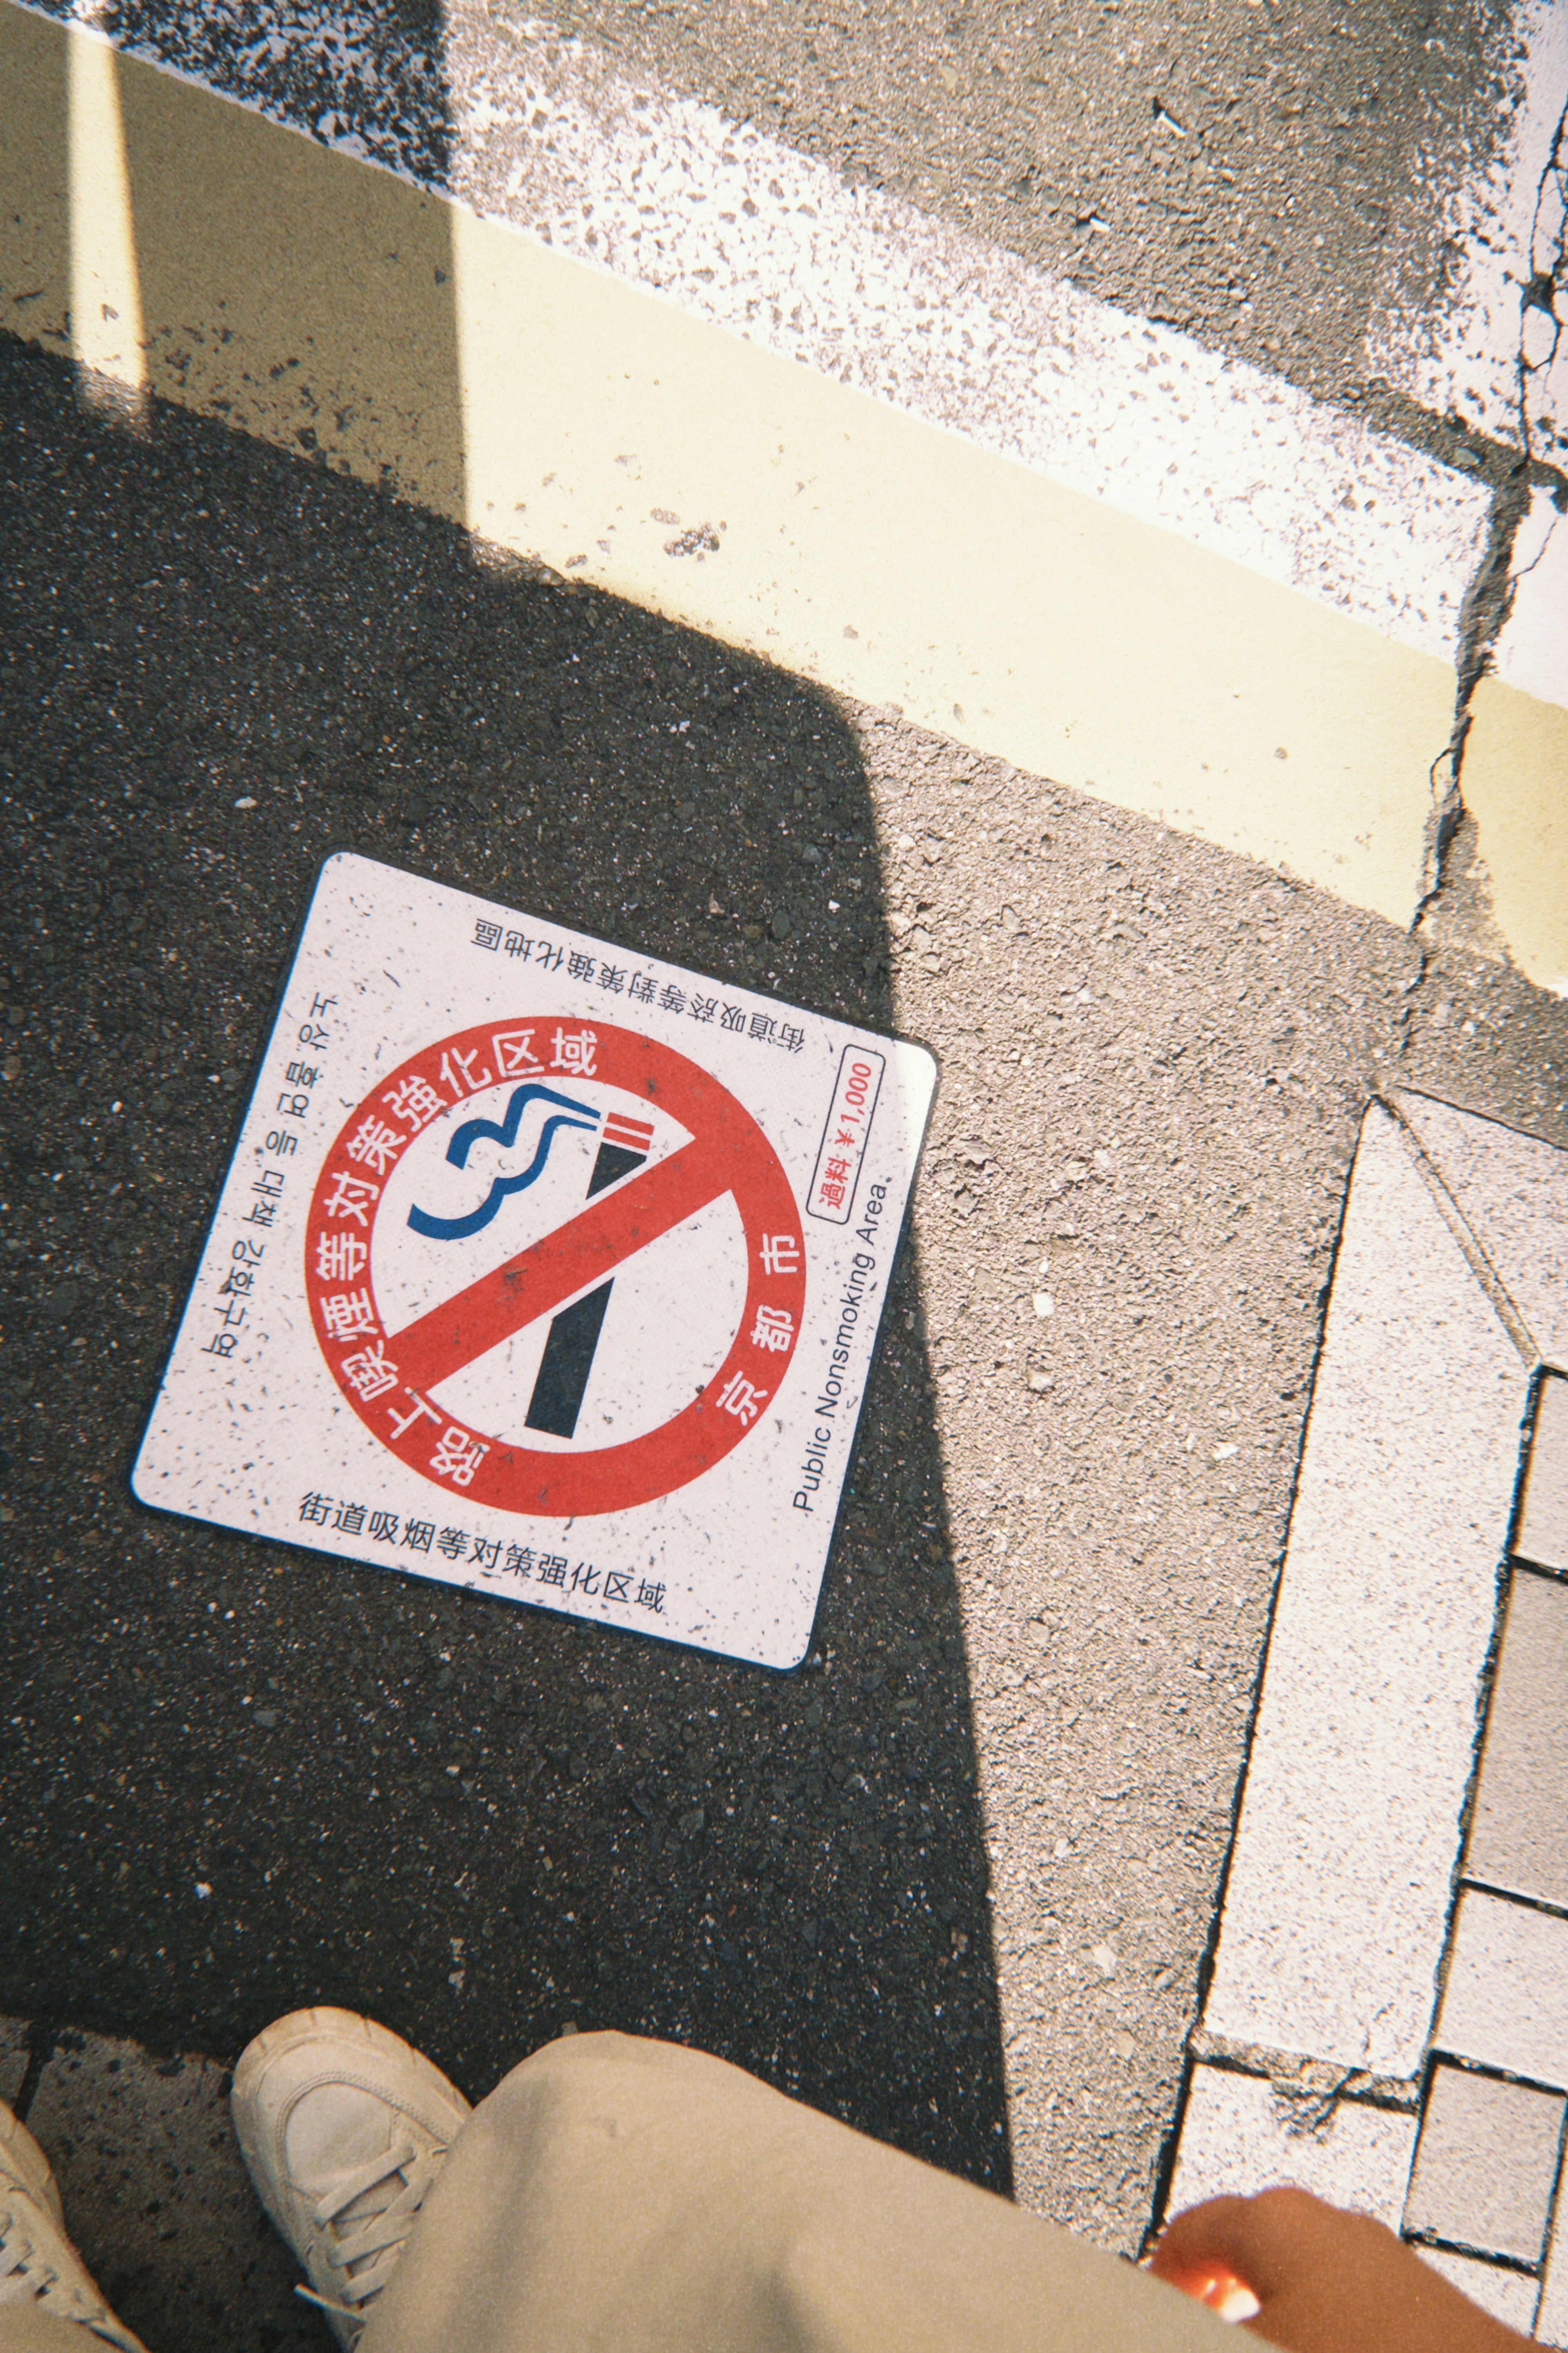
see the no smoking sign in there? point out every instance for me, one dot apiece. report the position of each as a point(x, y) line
point(485, 1388)
point(543, 1268)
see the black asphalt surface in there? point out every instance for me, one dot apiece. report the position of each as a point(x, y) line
point(478, 1822)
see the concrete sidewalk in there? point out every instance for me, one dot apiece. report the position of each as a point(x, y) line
point(1387, 2016)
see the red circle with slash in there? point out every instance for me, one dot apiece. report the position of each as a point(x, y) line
point(387, 1375)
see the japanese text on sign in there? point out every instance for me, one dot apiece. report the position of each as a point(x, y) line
point(832, 1195)
point(246, 1253)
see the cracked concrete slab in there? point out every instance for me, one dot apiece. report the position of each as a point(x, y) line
point(1337, 1903)
point(1239, 2135)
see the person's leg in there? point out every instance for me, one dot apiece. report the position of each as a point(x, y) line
point(630, 2196)
point(49, 2302)
point(618, 2196)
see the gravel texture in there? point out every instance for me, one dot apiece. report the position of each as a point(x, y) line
point(1259, 177)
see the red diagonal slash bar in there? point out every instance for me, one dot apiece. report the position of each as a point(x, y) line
point(539, 1279)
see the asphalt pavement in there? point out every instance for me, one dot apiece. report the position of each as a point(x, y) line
point(476, 1821)
point(956, 1879)
point(469, 1819)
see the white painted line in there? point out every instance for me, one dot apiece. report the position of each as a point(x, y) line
point(1337, 1903)
point(746, 235)
point(1474, 354)
point(1239, 2137)
point(749, 236)
point(568, 414)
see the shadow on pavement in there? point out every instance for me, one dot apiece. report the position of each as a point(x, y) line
point(478, 1821)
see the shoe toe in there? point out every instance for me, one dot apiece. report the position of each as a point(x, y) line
point(321, 2092)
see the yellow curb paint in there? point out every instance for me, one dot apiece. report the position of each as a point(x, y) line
point(1515, 786)
point(291, 292)
point(327, 307)
point(105, 286)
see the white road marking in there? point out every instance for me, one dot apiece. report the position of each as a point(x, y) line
point(1476, 355)
point(752, 238)
point(962, 504)
point(744, 234)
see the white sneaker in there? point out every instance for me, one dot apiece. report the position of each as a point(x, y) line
point(343, 2127)
point(40, 2271)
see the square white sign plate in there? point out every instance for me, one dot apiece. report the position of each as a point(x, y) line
point(543, 1268)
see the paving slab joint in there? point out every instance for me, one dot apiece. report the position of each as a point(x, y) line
point(1314, 2088)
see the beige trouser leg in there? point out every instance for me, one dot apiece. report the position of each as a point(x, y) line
point(34, 2332)
point(629, 2197)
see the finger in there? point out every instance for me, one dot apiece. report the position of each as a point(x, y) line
point(1264, 2241)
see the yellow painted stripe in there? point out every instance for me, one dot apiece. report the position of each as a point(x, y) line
point(1515, 783)
point(308, 298)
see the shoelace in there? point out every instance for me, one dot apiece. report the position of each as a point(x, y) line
point(364, 2248)
point(26, 2276)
